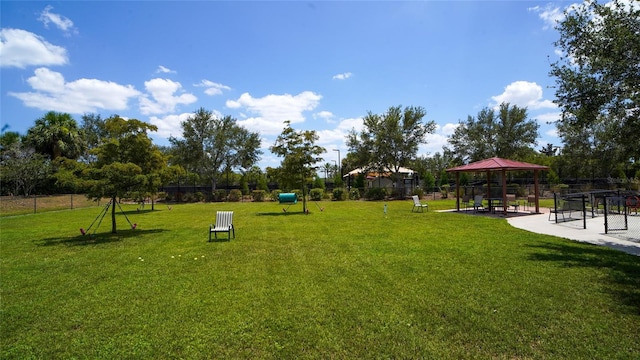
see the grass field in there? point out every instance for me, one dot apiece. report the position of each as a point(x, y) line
point(347, 282)
point(18, 205)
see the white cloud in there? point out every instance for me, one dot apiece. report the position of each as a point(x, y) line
point(551, 15)
point(62, 22)
point(434, 144)
point(164, 70)
point(342, 76)
point(335, 138)
point(76, 97)
point(524, 94)
point(448, 128)
point(552, 133)
point(273, 110)
point(213, 88)
point(20, 48)
point(325, 115)
point(170, 125)
point(162, 91)
point(548, 118)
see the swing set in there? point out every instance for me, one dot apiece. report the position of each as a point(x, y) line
point(101, 216)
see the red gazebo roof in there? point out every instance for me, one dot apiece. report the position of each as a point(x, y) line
point(495, 164)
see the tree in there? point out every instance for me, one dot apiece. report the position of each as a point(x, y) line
point(22, 168)
point(56, 134)
point(299, 154)
point(391, 140)
point(597, 82)
point(548, 150)
point(93, 131)
point(125, 161)
point(210, 145)
point(507, 134)
point(8, 139)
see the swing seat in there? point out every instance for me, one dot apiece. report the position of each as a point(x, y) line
point(224, 223)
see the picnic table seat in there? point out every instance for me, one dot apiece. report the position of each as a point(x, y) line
point(224, 223)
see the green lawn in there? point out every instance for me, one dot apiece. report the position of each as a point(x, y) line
point(347, 282)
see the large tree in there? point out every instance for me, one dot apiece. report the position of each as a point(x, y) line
point(126, 161)
point(597, 84)
point(211, 145)
point(391, 140)
point(299, 153)
point(93, 132)
point(508, 134)
point(22, 168)
point(56, 134)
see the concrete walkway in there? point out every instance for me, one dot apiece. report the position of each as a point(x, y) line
point(573, 230)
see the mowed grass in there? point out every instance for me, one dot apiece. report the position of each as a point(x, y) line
point(347, 282)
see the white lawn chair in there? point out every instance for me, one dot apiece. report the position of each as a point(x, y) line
point(224, 223)
point(477, 203)
point(418, 204)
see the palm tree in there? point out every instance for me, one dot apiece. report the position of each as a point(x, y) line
point(56, 134)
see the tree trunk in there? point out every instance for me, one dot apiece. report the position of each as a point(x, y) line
point(113, 215)
point(304, 197)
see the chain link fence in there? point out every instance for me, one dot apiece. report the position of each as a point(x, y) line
point(19, 205)
point(620, 211)
point(622, 216)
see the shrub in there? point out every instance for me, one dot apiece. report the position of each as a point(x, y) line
point(376, 194)
point(188, 197)
point(419, 192)
point(316, 194)
point(297, 192)
point(275, 193)
point(339, 194)
point(258, 195)
point(162, 195)
point(444, 191)
point(235, 195)
point(515, 189)
point(354, 194)
point(198, 196)
point(219, 195)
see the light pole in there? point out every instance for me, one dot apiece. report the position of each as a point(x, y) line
point(339, 164)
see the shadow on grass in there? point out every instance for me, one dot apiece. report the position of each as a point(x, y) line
point(97, 238)
point(623, 269)
point(282, 213)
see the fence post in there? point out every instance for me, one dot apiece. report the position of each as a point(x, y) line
point(606, 224)
point(35, 205)
point(584, 211)
point(555, 206)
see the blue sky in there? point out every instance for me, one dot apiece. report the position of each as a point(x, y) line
point(322, 65)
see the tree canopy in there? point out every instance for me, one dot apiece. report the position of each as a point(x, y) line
point(127, 161)
point(390, 140)
point(299, 153)
point(210, 145)
point(509, 134)
point(597, 82)
point(56, 134)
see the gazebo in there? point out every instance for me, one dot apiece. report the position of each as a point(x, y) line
point(499, 165)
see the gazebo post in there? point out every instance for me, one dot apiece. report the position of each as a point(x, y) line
point(457, 191)
point(535, 188)
point(489, 187)
point(504, 192)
